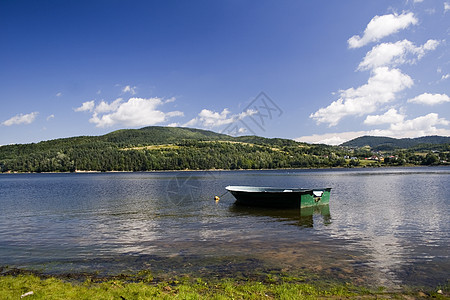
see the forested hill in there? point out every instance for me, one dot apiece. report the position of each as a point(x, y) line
point(156, 135)
point(387, 143)
point(162, 148)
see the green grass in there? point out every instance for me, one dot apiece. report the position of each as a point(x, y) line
point(12, 287)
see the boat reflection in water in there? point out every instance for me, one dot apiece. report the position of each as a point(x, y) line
point(303, 217)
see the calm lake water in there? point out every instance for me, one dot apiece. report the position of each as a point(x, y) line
point(383, 226)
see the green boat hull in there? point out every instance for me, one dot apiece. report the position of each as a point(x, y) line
point(309, 199)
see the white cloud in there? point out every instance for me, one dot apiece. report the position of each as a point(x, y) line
point(381, 88)
point(382, 26)
point(425, 125)
point(86, 106)
point(393, 54)
point(50, 117)
point(385, 85)
point(105, 107)
point(331, 138)
point(429, 45)
point(175, 113)
point(170, 100)
point(209, 119)
point(58, 94)
point(420, 126)
point(446, 6)
point(389, 117)
point(134, 112)
point(418, 1)
point(430, 99)
point(21, 119)
point(129, 89)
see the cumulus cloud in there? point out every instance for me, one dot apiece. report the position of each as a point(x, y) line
point(382, 26)
point(170, 100)
point(129, 89)
point(417, 127)
point(420, 126)
point(385, 85)
point(393, 54)
point(381, 88)
point(105, 107)
point(430, 99)
point(21, 119)
point(86, 106)
point(208, 118)
point(50, 117)
point(389, 117)
point(134, 112)
point(331, 138)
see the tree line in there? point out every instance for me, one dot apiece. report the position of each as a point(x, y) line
point(183, 148)
point(194, 155)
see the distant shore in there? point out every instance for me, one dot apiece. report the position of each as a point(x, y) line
point(224, 170)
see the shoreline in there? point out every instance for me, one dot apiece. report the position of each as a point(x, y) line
point(225, 170)
point(18, 283)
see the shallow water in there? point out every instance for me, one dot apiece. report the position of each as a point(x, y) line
point(383, 226)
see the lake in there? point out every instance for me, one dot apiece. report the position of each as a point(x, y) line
point(383, 226)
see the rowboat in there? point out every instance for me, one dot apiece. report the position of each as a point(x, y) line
point(279, 197)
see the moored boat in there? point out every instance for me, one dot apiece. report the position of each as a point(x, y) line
point(279, 197)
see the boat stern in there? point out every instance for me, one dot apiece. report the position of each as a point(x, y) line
point(315, 197)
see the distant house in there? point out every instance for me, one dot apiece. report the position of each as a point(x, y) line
point(373, 157)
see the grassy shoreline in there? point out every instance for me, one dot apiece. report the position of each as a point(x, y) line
point(15, 283)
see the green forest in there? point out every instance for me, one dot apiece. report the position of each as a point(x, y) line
point(169, 148)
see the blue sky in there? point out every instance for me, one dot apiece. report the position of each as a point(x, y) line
point(328, 71)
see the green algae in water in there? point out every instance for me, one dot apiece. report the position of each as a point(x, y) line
point(13, 287)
